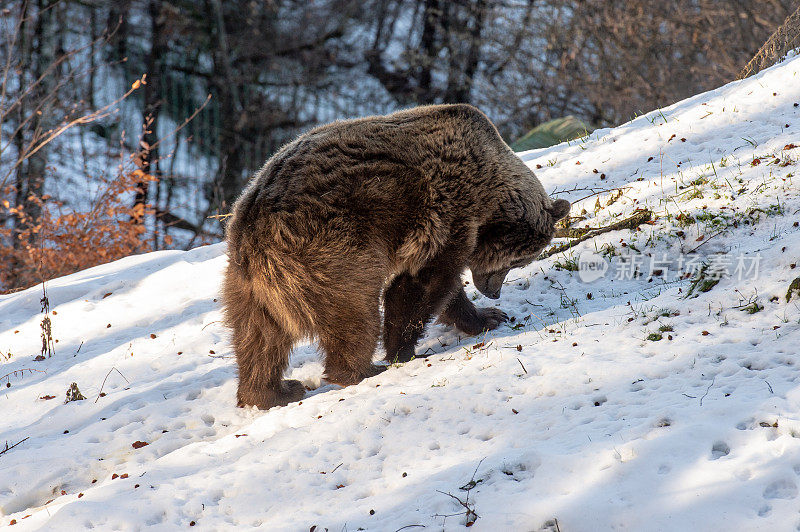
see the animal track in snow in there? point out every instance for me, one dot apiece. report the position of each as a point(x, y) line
point(599, 400)
point(720, 449)
point(523, 285)
point(746, 425)
point(784, 488)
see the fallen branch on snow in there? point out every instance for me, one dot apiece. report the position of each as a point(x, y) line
point(582, 234)
point(8, 448)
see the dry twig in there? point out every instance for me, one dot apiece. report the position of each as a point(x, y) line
point(631, 222)
point(9, 447)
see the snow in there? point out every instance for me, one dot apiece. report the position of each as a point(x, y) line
point(572, 417)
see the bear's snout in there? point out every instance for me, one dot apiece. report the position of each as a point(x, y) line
point(489, 284)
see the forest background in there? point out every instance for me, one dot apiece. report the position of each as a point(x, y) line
point(132, 125)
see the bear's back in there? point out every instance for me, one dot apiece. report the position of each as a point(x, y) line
point(375, 160)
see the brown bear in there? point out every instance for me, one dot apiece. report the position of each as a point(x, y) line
point(396, 206)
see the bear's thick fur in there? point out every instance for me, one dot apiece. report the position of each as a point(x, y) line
point(413, 198)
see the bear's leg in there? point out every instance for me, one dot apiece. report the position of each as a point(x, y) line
point(262, 353)
point(468, 318)
point(409, 303)
point(400, 333)
point(349, 342)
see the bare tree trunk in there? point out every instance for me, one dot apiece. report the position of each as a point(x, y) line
point(39, 54)
point(226, 184)
point(461, 90)
point(148, 161)
point(92, 54)
point(118, 16)
point(431, 18)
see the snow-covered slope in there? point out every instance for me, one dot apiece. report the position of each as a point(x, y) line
point(614, 404)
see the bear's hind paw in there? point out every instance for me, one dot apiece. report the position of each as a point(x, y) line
point(348, 377)
point(288, 391)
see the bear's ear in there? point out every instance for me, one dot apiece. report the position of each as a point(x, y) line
point(559, 209)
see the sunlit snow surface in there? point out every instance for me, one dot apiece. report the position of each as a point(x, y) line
point(574, 415)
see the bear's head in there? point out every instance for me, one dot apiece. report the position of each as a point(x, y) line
point(513, 237)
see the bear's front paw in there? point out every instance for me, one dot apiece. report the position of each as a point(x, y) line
point(487, 319)
point(492, 317)
point(404, 354)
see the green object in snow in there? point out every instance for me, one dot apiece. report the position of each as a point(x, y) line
point(551, 133)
